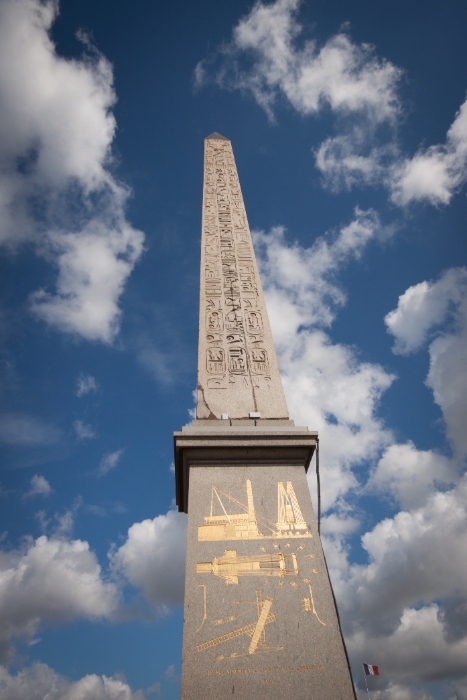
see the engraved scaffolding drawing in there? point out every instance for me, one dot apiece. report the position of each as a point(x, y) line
point(244, 525)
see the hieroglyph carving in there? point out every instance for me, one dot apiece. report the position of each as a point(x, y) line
point(234, 326)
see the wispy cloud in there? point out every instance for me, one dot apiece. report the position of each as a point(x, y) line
point(109, 461)
point(21, 430)
point(85, 384)
point(39, 487)
point(83, 430)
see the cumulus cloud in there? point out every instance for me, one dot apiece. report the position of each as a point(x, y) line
point(39, 681)
point(50, 581)
point(341, 75)
point(326, 385)
point(83, 430)
point(410, 475)
point(402, 604)
point(434, 174)
point(439, 309)
point(26, 431)
point(39, 487)
point(56, 132)
point(406, 607)
point(109, 461)
point(85, 384)
point(423, 307)
point(153, 558)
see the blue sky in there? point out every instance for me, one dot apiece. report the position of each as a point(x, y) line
point(348, 121)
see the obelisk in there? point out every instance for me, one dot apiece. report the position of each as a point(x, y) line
point(260, 616)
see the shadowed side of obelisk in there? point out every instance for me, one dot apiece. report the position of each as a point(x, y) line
point(260, 618)
point(237, 365)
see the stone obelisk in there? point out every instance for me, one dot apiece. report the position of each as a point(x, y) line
point(260, 617)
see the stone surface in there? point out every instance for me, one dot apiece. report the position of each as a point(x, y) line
point(260, 619)
point(215, 442)
point(237, 364)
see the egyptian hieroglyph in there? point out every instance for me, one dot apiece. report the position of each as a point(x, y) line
point(237, 365)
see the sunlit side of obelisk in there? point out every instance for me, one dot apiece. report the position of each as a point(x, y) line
point(260, 618)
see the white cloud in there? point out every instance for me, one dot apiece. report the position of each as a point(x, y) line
point(25, 431)
point(407, 608)
point(109, 461)
point(85, 384)
point(424, 307)
point(397, 691)
point(83, 430)
point(439, 308)
point(354, 158)
point(56, 130)
point(436, 173)
point(327, 387)
point(39, 487)
point(170, 672)
point(360, 155)
point(265, 58)
point(447, 378)
point(342, 75)
point(303, 281)
point(410, 475)
point(50, 581)
point(39, 681)
point(94, 265)
point(153, 558)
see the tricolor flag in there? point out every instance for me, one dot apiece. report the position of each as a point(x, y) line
point(371, 670)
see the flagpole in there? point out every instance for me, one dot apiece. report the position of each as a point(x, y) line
point(364, 676)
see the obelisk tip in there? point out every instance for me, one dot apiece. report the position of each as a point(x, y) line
point(215, 135)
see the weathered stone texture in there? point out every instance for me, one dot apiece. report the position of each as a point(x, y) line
point(237, 365)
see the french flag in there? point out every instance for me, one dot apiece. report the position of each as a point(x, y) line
point(371, 670)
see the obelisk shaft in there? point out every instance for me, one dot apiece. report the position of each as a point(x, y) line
point(237, 364)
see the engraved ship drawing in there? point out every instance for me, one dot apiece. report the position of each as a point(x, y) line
point(229, 566)
point(244, 525)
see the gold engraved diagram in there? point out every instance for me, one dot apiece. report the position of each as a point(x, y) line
point(230, 566)
point(290, 518)
point(245, 525)
point(309, 605)
point(255, 630)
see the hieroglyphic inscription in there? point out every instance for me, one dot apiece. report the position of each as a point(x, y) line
point(233, 314)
